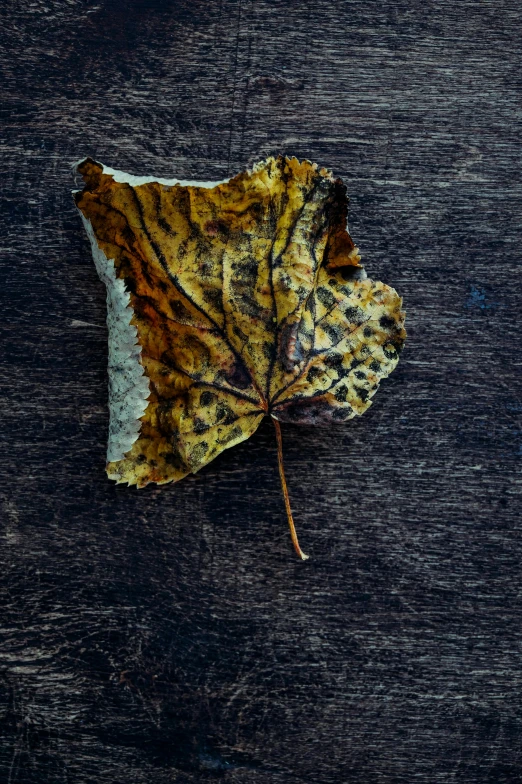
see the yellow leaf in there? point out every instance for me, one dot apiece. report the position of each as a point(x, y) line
point(227, 303)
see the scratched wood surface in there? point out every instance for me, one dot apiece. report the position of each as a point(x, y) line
point(170, 634)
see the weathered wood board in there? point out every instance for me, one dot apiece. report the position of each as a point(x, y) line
point(170, 634)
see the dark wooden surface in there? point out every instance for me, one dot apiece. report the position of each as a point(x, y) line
point(170, 634)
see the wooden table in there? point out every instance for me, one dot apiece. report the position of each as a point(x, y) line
point(170, 634)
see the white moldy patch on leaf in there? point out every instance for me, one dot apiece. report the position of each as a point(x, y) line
point(128, 386)
point(135, 181)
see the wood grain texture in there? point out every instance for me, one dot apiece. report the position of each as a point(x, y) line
point(170, 634)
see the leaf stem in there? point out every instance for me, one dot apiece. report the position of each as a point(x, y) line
point(293, 532)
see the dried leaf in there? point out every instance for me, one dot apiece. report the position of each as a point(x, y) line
point(227, 302)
